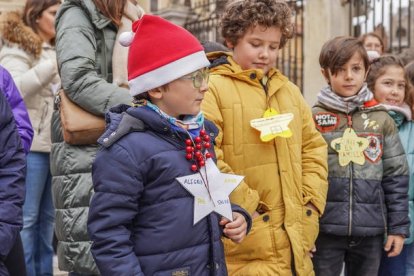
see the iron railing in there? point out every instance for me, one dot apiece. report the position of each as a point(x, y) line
point(204, 25)
point(390, 19)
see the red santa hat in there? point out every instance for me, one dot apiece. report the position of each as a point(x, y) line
point(160, 52)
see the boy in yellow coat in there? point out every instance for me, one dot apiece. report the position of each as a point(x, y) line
point(266, 133)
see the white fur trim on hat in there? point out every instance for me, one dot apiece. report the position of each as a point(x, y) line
point(167, 73)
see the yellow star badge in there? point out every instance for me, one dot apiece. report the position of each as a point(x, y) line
point(272, 125)
point(350, 148)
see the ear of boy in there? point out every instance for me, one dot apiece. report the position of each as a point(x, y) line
point(229, 45)
point(156, 93)
point(325, 74)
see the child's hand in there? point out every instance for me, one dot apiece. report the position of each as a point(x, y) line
point(394, 245)
point(236, 229)
point(312, 251)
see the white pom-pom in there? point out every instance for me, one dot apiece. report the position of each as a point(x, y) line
point(125, 39)
point(372, 55)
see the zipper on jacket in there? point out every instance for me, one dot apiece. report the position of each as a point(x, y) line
point(266, 89)
point(44, 113)
point(351, 186)
point(351, 190)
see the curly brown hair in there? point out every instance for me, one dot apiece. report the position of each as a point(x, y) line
point(241, 15)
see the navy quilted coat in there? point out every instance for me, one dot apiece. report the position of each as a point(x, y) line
point(12, 177)
point(140, 217)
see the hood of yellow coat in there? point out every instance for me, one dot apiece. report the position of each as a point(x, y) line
point(222, 63)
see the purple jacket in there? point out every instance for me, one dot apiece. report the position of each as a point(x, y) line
point(21, 116)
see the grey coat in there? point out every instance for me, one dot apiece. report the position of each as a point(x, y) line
point(84, 45)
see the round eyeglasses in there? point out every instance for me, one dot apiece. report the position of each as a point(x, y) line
point(198, 77)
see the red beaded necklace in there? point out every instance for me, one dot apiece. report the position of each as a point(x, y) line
point(194, 150)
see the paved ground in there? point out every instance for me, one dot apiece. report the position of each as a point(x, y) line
point(56, 271)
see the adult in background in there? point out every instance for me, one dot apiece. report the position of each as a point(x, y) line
point(374, 45)
point(28, 54)
point(85, 39)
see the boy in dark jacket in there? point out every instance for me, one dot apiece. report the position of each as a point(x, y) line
point(12, 177)
point(142, 221)
point(368, 172)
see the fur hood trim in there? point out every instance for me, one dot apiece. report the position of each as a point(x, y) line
point(14, 31)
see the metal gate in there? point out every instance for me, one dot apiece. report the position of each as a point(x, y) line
point(204, 25)
point(390, 19)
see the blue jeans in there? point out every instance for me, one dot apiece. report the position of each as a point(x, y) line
point(401, 265)
point(38, 216)
point(361, 255)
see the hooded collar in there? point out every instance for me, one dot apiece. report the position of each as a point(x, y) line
point(14, 31)
point(404, 110)
point(97, 19)
point(224, 64)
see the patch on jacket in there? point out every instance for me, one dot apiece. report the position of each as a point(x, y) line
point(368, 123)
point(326, 121)
point(184, 271)
point(374, 150)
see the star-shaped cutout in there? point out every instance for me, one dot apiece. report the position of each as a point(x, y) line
point(272, 125)
point(350, 148)
point(213, 197)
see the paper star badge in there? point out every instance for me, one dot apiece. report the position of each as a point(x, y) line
point(213, 197)
point(272, 125)
point(350, 148)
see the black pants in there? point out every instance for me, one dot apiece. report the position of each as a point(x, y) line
point(14, 262)
point(362, 255)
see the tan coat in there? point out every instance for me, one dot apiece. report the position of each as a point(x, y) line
point(281, 176)
point(32, 65)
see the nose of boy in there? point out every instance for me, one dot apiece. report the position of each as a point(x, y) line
point(204, 86)
point(348, 74)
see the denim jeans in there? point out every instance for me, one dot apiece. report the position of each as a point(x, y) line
point(38, 216)
point(401, 265)
point(361, 255)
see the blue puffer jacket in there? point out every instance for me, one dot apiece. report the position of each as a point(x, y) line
point(406, 131)
point(140, 217)
point(12, 176)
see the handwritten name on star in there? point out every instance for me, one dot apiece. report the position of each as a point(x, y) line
point(350, 148)
point(193, 181)
point(212, 196)
point(273, 126)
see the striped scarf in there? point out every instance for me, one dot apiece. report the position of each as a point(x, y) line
point(192, 124)
point(344, 104)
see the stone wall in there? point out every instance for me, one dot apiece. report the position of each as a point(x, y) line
point(6, 5)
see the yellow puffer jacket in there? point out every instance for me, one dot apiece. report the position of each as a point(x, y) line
point(281, 176)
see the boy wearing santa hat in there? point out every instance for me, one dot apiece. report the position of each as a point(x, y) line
point(155, 156)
